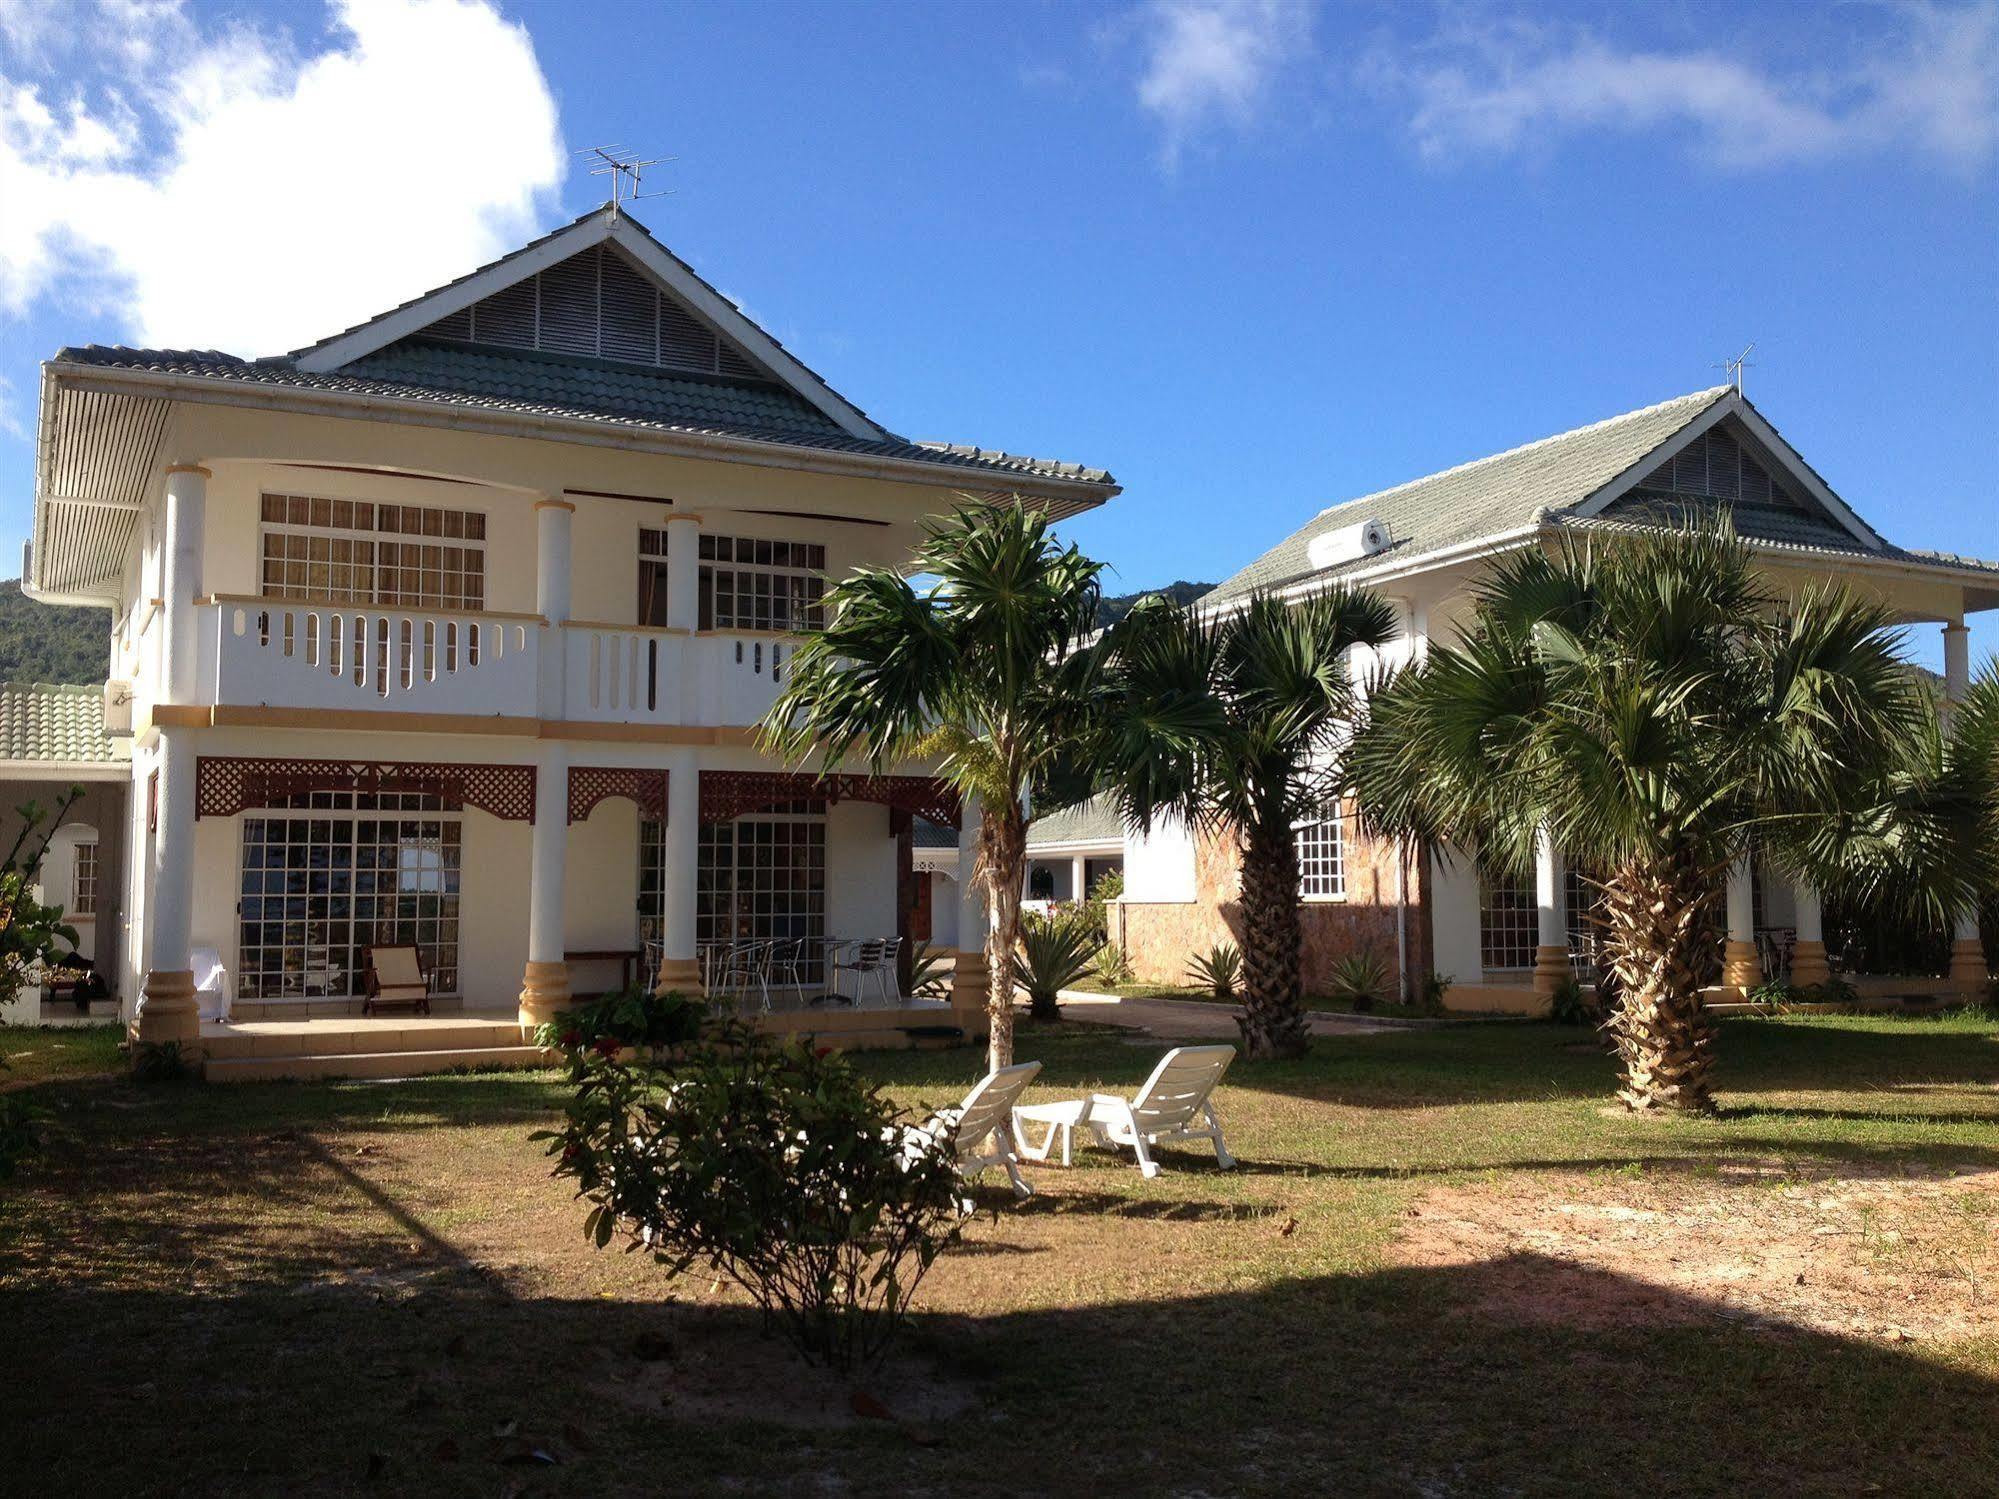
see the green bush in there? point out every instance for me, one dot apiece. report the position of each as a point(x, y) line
point(1435, 987)
point(768, 1162)
point(1572, 1004)
point(1359, 978)
point(629, 1018)
point(1055, 951)
point(1111, 966)
point(1218, 970)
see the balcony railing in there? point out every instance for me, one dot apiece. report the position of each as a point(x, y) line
point(358, 658)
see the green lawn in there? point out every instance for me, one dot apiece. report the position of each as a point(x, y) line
point(1443, 1269)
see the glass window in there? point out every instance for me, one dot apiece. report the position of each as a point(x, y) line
point(762, 876)
point(1508, 921)
point(748, 583)
point(336, 550)
point(652, 577)
point(83, 882)
point(1322, 864)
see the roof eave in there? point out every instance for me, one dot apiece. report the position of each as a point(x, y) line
point(1068, 496)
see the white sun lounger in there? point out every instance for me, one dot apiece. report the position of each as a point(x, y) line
point(1162, 1110)
point(982, 1124)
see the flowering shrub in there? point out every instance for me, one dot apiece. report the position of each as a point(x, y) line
point(769, 1162)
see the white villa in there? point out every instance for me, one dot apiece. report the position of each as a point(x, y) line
point(1506, 944)
point(450, 631)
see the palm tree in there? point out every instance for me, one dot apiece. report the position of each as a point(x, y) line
point(1647, 703)
point(978, 668)
point(1232, 725)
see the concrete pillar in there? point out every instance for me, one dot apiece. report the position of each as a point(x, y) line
point(1967, 950)
point(180, 579)
point(545, 984)
point(680, 840)
point(1551, 951)
point(1079, 877)
point(551, 601)
point(683, 571)
point(1808, 956)
point(1741, 968)
point(970, 978)
point(168, 1010)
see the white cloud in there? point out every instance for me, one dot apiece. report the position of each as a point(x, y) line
point(217, 188)
point(1930, 80)
point(1210, 62)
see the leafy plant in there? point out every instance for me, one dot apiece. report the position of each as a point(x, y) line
point(629, 1018)
point(1055, 950)
point(29, 932)
point(768, 1162)
point(1435, 986)
point(1572, 1004)
point(1359, 978)
point(1218, 970)
point(1111, 965)
point(930, 970)
point(160, 1062)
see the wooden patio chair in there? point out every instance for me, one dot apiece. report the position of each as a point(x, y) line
point(395, 976)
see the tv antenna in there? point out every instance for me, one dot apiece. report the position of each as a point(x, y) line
point(1736, 366)
point(626, 171)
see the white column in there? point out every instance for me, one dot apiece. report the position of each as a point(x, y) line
point(1551, 934)
point(168, 1011)
point(683, 571)
point(680, 850)
point(970, 979)
point(545, 984)
point(1741, 968)
point(1079, 874)
point(180, 578)
point(1967, 949)
point(551, 601)
point(1956, 661)
point(1808, 955)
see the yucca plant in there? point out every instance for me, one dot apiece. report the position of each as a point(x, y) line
point(1218, 970)
point(1655, 708)
point(1358, 978)
point(929, 972)
point(1055, 950)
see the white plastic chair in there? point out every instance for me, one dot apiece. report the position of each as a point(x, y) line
point(211, 983)
point(983, 1135)
point(1162, 1110)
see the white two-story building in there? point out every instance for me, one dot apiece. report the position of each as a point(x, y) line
point(452, 630)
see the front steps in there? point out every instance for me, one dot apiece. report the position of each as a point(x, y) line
point(373, 1046)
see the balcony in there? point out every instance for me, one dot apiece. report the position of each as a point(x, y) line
point(362, 658)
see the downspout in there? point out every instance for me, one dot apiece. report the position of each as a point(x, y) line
point(1402, 919)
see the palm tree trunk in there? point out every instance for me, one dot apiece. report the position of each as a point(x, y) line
point(1003, 867)
point(1273, 1022)
point(1656, 916)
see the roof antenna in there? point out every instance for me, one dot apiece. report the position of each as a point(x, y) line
point(1736, 366)
point(626, 172)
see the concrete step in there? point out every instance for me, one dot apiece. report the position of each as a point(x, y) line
point(327, 1037)
point(376, 1064)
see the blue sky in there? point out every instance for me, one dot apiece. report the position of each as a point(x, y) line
point(1254, 256)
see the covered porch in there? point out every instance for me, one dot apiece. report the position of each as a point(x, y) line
point(528, 884)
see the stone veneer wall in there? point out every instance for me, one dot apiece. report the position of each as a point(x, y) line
point(1160, 936)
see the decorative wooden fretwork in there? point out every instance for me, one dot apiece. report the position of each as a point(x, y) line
point(727, 794)
point(227, 784)
point(591, 784)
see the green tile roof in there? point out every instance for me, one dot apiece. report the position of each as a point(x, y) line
point(56, 724)
point(1090, 821)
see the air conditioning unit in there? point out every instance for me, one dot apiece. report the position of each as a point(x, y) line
point(1348, 543)
point(118, 707)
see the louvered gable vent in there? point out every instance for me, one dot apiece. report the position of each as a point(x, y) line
point(598, 304)
point(1715, 465)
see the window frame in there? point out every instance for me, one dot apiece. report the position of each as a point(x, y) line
point(82, 906)
point(800, 586)
point(418, 526)
point(1312, 865)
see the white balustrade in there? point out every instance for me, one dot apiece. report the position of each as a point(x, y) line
point(670, 677)
point(359, 657)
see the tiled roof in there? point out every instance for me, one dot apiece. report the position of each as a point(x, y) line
point(1091, 821)
point(1502, 493)
point(55, 724)
point(632, 397)
point(923, 833)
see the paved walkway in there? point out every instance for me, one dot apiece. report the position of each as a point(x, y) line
point(1197, 1019)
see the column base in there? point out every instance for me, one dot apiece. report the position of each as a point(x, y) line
point(971, 983)
point(1741, 968)
point(678, 976)
point(544, 994)
point(1551, 969)
point(1967, 965)
point(1809, 965)
point(169, 1012)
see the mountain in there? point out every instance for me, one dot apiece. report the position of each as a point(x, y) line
point(1111, 610)
point(50, 642)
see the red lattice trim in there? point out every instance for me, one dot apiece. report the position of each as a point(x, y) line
point(591, 784)
point(732, 793)
point(227, 784)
